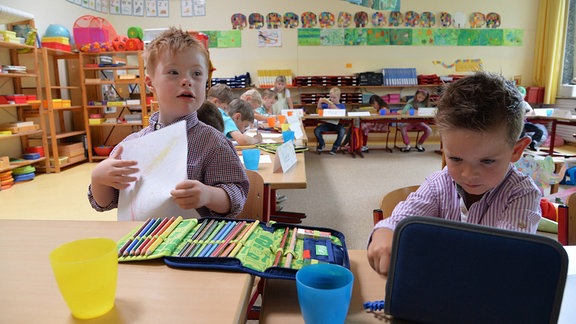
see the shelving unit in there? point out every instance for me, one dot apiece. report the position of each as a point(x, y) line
point(18, 112)
point(108, 93)
point(65, 127)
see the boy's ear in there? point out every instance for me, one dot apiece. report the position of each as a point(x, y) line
point(148, 82)
point(519, 148)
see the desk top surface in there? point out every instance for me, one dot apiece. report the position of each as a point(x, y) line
point(281, 304)
point(294, 178)
point(147, 292)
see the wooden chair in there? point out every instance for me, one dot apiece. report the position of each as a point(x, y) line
point(410, 131)
point(391, 199)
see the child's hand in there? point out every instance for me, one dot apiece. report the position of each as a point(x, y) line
point(379, 250)
point(115, 172)
point(257, 138)
point(190, 194)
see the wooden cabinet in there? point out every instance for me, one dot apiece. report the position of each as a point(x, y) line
point(62, 94)
point(28, 84)
point(114, 97)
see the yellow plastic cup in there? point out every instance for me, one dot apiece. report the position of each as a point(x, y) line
point(86, 271)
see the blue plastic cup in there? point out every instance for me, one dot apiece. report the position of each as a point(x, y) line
point(251, 158)
point(324, 293)
point(382, 112)
point(411, 112)
point(288, 136)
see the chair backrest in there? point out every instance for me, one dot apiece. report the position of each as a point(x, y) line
point(391, 199)
point(254, 207)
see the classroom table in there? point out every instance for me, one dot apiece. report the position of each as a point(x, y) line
point(147, 292)
point(554, 121)
point(280, 300)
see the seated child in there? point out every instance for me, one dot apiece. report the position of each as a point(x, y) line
point(269, 98)
point(217, 184)
point(221, 95)
point(330, 125)
point(253, 96)
point(381, 107)
point(421, 98)
point(209, 115)
point(480, 121)
point(237, 120)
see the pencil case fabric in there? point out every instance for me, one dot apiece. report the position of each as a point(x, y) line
point(258, 254)
point(265, 251)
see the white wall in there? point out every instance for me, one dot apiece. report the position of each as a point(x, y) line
point(319, 60)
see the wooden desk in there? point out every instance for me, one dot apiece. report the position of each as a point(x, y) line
point(554, 121)
point(147, 292)
point(280, 300)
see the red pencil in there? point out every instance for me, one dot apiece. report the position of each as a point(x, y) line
point(136, 234)
point(159, 230)
point(231, 246)
point(150, 237)
point(281, 249)
point(228, 238)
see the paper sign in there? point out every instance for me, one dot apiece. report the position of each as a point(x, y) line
point(285, 158)
point(426, 111)
point(543, 111)
point(161, 157)
point(295, 112)
point(334, 112)
point(358, 113)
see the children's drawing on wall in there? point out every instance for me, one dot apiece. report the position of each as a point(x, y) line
point(126, 7)
point(427, 19)
point(344, 19)
point(332, 37)
point(115, 7)
point(151, 8)
point(270, 38)
point(163, 9)
point(138, 8)
point(477, 20)
point(378, 4)
point(378, 19)
point(411, 19)
point(273, 20)
point(492, 20)
point(308, 19)
point(462, 65)
point(326, 19)
point(238, 21)
point(354, 36)
point(290, 20)
point(309, 37)
point(256, 20)
point(423, 36)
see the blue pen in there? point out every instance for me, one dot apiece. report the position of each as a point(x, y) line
point(137, 238)
point(225, 230)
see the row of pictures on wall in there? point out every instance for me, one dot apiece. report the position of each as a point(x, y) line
point(150, 8)
point(426, 19)
point(376, 37)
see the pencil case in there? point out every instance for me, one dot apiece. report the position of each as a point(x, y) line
point(268, 250)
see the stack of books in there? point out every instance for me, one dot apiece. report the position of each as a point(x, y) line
point(400, 76)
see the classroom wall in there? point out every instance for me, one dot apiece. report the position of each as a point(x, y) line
point(323, 60)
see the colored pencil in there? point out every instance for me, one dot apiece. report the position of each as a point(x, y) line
point(162, 227)
point(233, 244)
point(201, 238)
point(288, 262)
point(217, 238)
point(145, 235)
point(163, 235)
point(129, 241)
point(209, 238)
point(281, 249)
point(240, 244)
point(192, 238)
point(149, 239)
point(140, 239)
point(229, 237)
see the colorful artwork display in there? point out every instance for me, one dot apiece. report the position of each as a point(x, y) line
point(411, 37)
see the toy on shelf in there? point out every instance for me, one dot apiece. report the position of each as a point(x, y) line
point(94, 34)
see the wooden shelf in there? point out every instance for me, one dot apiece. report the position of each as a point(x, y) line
point(21, 163)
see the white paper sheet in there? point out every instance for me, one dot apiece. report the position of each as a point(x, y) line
point(161, 157)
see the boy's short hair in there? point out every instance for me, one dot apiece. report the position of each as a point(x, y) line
point(482, 102)
point(210, 115)
point(336, 91)
point(172, 41)
point(268, 94)
point(243, 107)
point(222, 92)
point(253, 96)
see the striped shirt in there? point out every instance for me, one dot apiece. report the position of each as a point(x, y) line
point(212, 160)
point(512, 205)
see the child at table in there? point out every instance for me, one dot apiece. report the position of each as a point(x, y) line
point(177, 67)
point(221, 95)
point(381, 108)
point(480, 119)
point(330, 125)
point(269, 98)
point(237, 120)
point(284, 99)
point(253, 97)
point(209, 114)
point(420, 99)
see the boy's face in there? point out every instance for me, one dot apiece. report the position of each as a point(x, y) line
point(478, 161)
point(334, 97)
point(179, 82)
point(243, 125)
